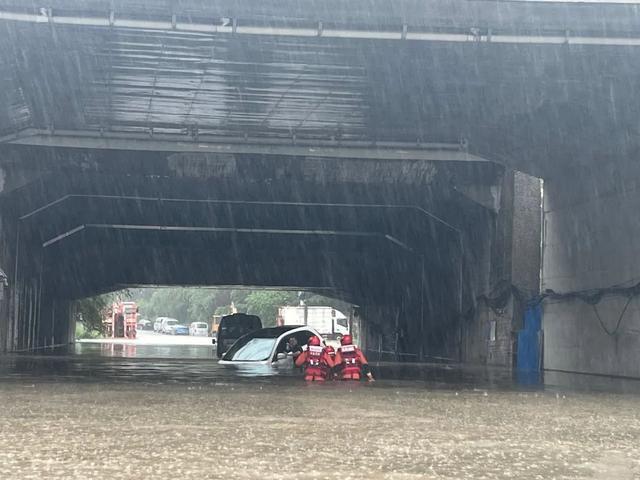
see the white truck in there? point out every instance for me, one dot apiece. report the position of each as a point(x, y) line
point(327, 321)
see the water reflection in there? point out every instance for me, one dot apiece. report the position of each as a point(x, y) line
point(131, 350)
point(197, 364)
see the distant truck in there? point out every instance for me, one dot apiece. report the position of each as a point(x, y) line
point(121, 320)
point(328, 321)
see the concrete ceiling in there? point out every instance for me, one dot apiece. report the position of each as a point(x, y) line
point(536, 105)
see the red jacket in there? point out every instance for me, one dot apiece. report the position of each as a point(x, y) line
point(315, 365)
point(350, 362)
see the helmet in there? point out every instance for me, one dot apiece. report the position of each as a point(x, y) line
point(314, 341)
point(330, 350)
point(346, 340)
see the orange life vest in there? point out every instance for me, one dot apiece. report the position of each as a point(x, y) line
point(316, 365)
point(351, 359)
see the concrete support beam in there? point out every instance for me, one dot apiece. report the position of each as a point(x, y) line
point(489, 336)
point(7, 267)
point(435, 152)
point(236, 26)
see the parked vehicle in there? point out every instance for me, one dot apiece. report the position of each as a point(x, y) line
point(266, 346)
point(199, 329)
point(157, 325)
point(331, 323)
point(144, 325)
point(168, 324)
point(180, 329)
point(232, 327)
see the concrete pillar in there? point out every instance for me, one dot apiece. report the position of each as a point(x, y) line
point(7, 279)
point(30, 318)
point(489, 334)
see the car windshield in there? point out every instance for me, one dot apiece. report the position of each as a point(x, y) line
point(201, 325)
point(172, 322)
point(251, 349)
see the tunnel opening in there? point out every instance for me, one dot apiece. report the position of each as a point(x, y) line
point(183, 322)
point(409, 245)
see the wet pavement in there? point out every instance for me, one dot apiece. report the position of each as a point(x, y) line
point(121, 413)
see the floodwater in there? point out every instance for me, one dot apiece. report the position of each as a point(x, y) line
point(170, 412)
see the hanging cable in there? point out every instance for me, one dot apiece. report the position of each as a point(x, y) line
point(619, 322)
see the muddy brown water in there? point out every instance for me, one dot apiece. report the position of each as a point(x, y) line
point(172, 412)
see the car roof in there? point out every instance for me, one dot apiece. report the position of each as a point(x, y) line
point(239, 315)
point(300, 328)
point(270, 332)
point(277, 332)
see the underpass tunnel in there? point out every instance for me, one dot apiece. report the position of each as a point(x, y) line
point(415, 137)
point(412, 253)
point(341, 263)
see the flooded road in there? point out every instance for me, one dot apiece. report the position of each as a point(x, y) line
point(112, 412)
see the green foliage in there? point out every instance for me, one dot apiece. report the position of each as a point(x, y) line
point(82, 332)
point(222, 310)
point(90, 311)
point(200, 304)
point(265, 303)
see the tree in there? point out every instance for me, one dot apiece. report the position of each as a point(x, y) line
point(199, 304)
point(91, 311)
point(265, 303)
point(202, 303)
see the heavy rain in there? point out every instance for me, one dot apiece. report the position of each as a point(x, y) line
point(356, 239)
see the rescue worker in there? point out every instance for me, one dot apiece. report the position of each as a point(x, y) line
point(316, 361)
point(332, 354)
point(351, 361)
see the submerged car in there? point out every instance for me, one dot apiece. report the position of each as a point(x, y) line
point(268, 346)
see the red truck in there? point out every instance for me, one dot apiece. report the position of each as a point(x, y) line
point(120, 320)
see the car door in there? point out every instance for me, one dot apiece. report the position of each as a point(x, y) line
point(302, 336)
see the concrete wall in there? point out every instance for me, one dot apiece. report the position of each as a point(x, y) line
point(488, 337)
point(488, 334)
point(29, 317)
point(591, 242)
point(5, 291)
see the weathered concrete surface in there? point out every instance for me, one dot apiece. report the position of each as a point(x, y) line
point(488, 334)
point(590, 243)
point(7, 265)
point(526, 232)
point(257, 431)
point(488, 337)
point(426, 213)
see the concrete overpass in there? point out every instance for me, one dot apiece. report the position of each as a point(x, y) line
point(370, 148)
